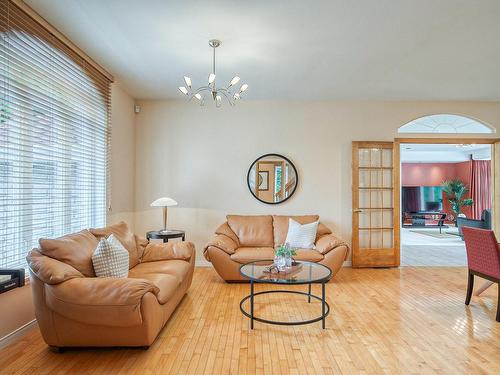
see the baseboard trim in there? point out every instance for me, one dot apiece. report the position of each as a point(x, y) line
point(7, 339)
point(202, 263)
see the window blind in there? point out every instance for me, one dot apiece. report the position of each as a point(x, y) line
point(54, 137)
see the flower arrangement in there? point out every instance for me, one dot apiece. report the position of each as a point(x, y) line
point(285, 251)
point(283, 256)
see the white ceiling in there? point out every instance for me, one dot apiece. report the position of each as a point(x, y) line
point(443, 153)
point(295, 49)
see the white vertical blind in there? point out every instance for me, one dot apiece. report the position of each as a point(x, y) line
point(54, 137)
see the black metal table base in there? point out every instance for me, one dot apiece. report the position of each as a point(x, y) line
point(325, 308)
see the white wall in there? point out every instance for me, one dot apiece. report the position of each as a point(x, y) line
point(122, 157)
point(200, 156)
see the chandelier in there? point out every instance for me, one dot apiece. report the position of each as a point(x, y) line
point(230, 93)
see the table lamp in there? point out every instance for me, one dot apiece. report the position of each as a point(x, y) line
point(164, 203)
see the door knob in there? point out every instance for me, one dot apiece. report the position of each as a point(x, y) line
point(357, 210)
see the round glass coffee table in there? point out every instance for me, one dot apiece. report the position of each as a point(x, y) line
point(310, 273)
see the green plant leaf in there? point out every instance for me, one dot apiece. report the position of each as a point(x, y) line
point(468, 202)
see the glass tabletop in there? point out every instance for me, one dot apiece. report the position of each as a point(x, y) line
point(307, 272)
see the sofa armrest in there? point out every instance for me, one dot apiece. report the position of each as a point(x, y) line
point(223, 243)
point(168, 251)
point(100, 300)
point(328, 242)
point(50, 270)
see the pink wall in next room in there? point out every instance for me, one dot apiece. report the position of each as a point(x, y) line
point(433, 174)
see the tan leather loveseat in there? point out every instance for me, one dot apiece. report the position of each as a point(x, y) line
point(243, 239)
point(75, 308)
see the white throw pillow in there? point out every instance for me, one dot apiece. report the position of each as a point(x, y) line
point(301, 236)
point(110, 259)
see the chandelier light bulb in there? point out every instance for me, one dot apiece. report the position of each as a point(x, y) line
point(197, 96)
point(188, 81)
point(183, 90)
point(234, 81)
point(236, 96)
point(243, 87)
point(211, 78)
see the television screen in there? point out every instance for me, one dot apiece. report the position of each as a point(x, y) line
point(422, 198)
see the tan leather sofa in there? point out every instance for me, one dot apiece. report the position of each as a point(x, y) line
point(243, 239)
point(75, 309)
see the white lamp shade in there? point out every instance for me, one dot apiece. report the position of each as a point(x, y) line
point(234, 81)
point(164, 202)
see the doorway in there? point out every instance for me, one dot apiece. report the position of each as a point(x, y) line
point(443, 187)
point(376, 197)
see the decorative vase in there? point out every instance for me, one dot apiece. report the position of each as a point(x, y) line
point(288, 261)
point(280, 262)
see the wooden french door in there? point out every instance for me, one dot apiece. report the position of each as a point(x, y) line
point(375, 220)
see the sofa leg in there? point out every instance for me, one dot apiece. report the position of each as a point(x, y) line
point(470, 286)
point(56, 349)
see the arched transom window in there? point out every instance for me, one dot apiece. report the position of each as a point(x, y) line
point(445, 124)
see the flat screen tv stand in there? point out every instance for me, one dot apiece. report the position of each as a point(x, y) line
point(422, 219)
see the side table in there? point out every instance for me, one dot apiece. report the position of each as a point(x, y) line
point(165, 236)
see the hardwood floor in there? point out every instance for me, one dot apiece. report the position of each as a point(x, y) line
point(408, 320)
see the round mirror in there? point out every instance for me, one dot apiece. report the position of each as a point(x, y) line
point(272, 178)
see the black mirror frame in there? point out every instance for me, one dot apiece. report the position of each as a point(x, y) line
point(289, 162)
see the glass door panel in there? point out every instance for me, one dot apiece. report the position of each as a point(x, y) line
point(373, 204)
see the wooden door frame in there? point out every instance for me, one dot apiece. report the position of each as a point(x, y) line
point(495, 177)
point(377, 254)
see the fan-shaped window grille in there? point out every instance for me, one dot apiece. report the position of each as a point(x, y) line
point(445, 124)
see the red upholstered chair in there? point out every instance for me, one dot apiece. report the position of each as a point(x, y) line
point(483, 258)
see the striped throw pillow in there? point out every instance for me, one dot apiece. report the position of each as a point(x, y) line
point(110, 259)
point(301, 236)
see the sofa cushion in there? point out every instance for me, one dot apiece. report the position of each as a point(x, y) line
point(167, 284)
point(225, 230)
point(322, 230)
point(74, 249)
point(125, 236)
point(308, 255)
point(252, 231)
point(50, 270)
point(178, 268)
point(110, 259)
point(301, 235)
point(280, 225)
point(251, 254)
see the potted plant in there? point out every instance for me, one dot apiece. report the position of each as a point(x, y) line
point(283, 256)
point(455, 191)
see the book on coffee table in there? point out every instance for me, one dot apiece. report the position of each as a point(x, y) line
point(296, 266)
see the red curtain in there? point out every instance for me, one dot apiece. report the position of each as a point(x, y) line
point(480, 186)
